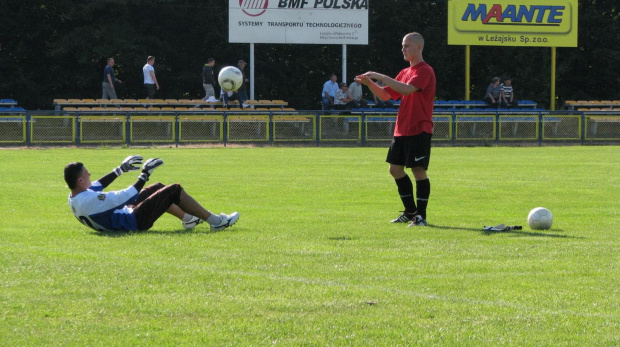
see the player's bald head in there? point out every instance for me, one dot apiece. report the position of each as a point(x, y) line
point(415, 38)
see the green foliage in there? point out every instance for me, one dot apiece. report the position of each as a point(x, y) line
point(57, 49)
point(313, 259)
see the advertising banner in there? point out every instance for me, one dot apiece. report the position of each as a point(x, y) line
point(513, 23)
point(298, 21)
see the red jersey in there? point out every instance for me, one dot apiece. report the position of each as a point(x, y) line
point(415, 114)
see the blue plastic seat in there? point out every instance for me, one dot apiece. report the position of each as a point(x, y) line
point(380, 119)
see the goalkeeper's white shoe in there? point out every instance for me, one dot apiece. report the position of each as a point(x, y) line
point(227, 221)
point(192, 223)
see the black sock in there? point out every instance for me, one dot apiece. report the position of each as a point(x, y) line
point(405, 190)
point(423, 191)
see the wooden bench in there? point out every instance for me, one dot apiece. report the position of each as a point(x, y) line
point(60, 104)
point(596, 120)
point(589, 105)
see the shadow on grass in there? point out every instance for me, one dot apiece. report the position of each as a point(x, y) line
point(516, 233)
point(155, 232)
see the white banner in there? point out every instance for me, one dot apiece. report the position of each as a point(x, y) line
point(298, 21)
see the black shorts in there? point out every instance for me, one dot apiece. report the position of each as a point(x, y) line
point(410, 151)
point(150, 90)
point(153, 201)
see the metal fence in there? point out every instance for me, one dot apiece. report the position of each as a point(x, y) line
point(310, 127)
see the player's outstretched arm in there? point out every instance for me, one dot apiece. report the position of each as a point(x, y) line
point(107, 179)
point(126, 165)
point(397, 86)
point(366, 79)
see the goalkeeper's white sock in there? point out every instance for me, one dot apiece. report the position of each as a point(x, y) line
point(214, 219)
point(187, 217)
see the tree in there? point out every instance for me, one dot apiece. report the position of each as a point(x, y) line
point(58, 49)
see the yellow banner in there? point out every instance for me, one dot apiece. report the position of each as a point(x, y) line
point(513, 23)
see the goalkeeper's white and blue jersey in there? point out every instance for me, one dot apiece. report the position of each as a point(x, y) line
point(105, 211)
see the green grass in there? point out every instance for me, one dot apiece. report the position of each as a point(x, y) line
point(313, 259)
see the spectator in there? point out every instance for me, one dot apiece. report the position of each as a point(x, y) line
point(208, 80)
point(230, 96)
point(108, 81)
point(329, 92)
point(492, 96)
point(508, 94)
point(242, 91)
point(150, 81)
point(355, 88)
point(343, 99)
point(135, 207)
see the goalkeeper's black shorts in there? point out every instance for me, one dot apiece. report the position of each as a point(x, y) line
point(153, 201)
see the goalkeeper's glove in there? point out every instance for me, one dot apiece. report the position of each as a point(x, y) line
point(149, 166)
point(128, 164)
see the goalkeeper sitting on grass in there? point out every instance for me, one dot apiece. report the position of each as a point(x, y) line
point(135, 207)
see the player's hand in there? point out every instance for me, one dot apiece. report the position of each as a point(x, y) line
point(130, 161)
point(150, 166)
point(362, 79)
point(373, 76)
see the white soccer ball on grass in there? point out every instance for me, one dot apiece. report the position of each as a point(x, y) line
point(540, 219)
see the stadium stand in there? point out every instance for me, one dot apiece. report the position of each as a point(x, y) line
point(62, 104)
point(85, 121)
point(8, 102)
point(440, 105)
point(10, 105)
point(464, 105)
point(591, 105)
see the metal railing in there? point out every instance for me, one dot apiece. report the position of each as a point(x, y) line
point(310, 127)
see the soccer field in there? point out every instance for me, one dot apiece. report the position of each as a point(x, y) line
point(313, 259)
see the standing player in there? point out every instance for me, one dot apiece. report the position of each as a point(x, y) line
point(411, 146)
point(134, 208)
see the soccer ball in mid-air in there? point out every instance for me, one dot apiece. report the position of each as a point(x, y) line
point(540, 219)
point(230, 78)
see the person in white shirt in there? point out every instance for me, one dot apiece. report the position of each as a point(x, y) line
point(150, 81)
point(355, 88)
